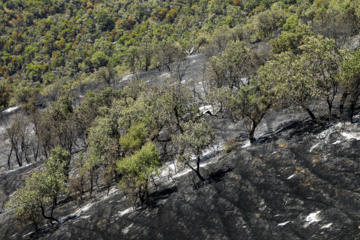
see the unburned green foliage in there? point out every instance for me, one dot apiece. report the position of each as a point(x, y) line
point(137, 169)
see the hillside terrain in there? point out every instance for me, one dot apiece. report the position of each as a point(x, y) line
point(191, 119)
point(299, 181)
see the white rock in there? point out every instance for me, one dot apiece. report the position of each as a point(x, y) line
point(326, 226)
point(11, 109)
point(247, 144)
point(351, 135)
point(126, 230)
point(283, 224)
point(312, 218)
point(126, 211)
point(292, 176)
point(313, 147)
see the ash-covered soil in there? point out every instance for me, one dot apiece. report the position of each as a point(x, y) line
point(298, 181)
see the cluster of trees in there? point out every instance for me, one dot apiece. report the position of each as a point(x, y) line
point(44, 41)
point(42, 190)
point(123, 134)
point(47, 41)
point(120, 134)
point(302, 68)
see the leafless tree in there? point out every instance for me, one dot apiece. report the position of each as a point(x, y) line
point(18, 136)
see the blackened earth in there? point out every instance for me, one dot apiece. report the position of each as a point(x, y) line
point(301, 182)
point(298, 181)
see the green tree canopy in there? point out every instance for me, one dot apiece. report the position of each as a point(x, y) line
point(193, 142)
point(42, 189)
point(137, 169)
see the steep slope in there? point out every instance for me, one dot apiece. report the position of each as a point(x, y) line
point(282, 188)
point(299, 181)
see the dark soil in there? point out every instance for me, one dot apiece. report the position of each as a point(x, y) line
point(298, 181)
point(266, 191)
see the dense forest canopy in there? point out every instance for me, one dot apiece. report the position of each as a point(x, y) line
point(47, 42)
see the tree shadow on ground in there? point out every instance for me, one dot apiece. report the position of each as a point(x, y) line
point(156, 197)
point(295, 128)
point(214, 177)
point(220, 174)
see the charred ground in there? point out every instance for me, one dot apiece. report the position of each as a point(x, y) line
point(299, 181)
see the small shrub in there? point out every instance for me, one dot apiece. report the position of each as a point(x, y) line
point(230, 146)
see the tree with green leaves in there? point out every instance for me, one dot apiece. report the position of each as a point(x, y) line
point(291, 37)
point(178, 106)
point(267, 21)
point(42, 190)
point(105, 21)
point(233, 67)
point(167, 52)
point(160, 108)
point(5, 93)
point(99, 59)
point(26, 93)
point(35, 71)
point(57, 126)
point(218, 41)
point(321, 58)
point(334, 19)
point(351, 80)
point(292, 80)
point(136, 171)
point(106, 74)
point(146, 51)
point(134, 138)
point(232, 91)
point(252, 102)
point(192, 143)
point(90, 108)
point(104, 148)
point(313, 74)
point(133, 59)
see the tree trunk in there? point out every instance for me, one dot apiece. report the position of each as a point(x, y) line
point(91, 182)
point(54, 203)
point(352, 109)
point(140, 193)
point(36, 225)
point(342, 101)
point(9, 158)
point(46, 217)
point(168, 67)
point(177, 116)
point(18, 158)
point(81, 186)
point(36, 151)
point(329, 110)
point(252, 132)
point(354, 98)
point(329, 102)
point(197, 170)
point(311, 114)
